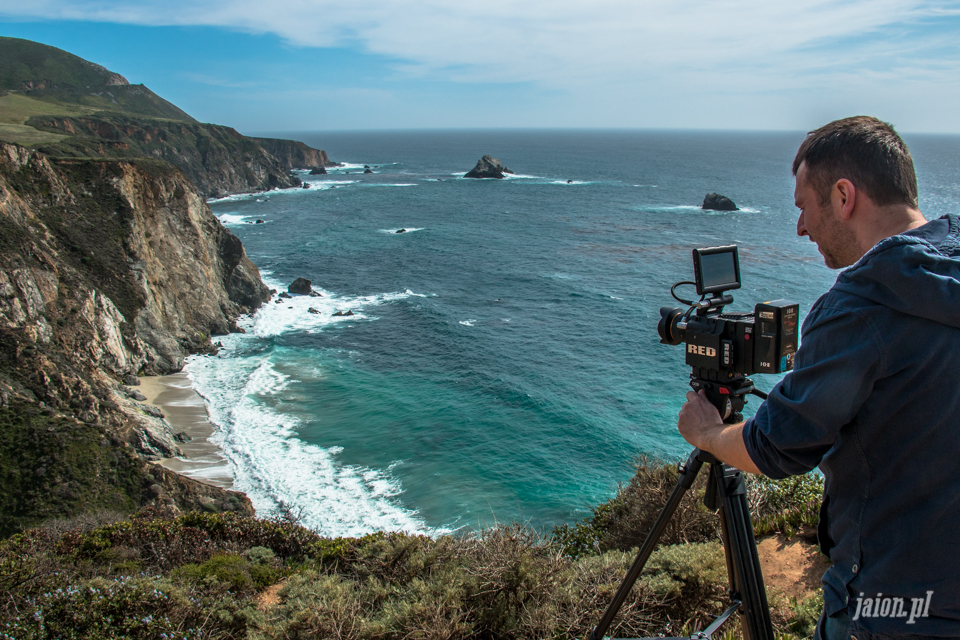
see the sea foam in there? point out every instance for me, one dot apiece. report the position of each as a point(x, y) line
point(278, 471)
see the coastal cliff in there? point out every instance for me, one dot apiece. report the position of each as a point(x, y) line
point(294, 154)
point(218, 160)
point(108, 268)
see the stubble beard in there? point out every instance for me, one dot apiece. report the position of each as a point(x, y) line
point(837, 243)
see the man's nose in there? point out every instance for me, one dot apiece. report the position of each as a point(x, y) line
point(801, 227)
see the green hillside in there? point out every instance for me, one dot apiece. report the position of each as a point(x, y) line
point(68, 107)
point(42, 75)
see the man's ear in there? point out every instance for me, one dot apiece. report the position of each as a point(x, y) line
point(844, 197)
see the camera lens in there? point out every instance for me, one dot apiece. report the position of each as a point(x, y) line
point(667, 327)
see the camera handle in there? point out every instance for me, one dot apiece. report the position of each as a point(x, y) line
point(726, 493)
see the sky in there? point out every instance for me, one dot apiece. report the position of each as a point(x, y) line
point(309, 65)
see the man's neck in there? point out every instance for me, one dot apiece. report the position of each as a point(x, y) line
point(882, 222)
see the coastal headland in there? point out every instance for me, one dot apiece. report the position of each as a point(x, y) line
point(112, 267)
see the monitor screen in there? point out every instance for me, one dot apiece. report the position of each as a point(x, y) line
point(717, 269)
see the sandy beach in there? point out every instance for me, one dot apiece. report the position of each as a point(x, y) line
point(186, 411)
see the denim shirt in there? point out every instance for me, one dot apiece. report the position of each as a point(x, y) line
point(874, 401)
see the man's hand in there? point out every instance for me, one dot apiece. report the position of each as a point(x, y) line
point(700, 425)
point(699, 421)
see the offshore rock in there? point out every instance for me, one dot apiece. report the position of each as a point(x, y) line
point(717, 202)
point(318, 171)
point(488, 167)
point(300, 286)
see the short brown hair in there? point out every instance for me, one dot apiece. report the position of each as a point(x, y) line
point(865, 151)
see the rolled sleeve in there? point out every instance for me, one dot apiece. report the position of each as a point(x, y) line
point(836, 366)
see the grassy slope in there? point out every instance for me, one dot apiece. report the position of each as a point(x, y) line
point(226, 576)
point(48, 74)
point(16, 109)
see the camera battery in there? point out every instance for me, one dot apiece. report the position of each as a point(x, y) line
point(776, 325)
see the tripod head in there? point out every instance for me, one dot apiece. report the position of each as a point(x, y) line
point(728, 397)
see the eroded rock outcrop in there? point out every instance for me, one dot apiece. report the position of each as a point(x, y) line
point(301, 286)
point(217, 159)
point(294, 154)
point(107, 269)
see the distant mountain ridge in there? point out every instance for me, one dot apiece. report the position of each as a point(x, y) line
point(53, 75)
point(68, 107)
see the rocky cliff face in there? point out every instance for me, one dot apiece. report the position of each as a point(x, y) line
point(293, 154)
point(218, 160)
point(107, 268)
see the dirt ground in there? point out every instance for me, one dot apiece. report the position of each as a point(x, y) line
point(791, 566)
point(269, 597)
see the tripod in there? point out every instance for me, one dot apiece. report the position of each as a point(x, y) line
point(726, 492)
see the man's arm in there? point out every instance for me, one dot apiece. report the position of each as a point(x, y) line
point(700, 425)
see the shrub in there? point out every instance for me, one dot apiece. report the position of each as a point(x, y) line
point(624, 521)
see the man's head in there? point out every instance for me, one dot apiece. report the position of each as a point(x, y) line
point(853, 166)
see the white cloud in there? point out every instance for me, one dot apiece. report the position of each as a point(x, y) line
point(607, 50)
point(556, 42)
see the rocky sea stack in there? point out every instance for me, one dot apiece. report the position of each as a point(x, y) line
point(717, 202)
point(300, 286)
point(488, 167)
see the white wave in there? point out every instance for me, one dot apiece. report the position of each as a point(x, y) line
point(521, 176)
point(277, 470)
point(468, 323)
point(347, 166)
point(323, 185)
point(572, 182)
point(260, 196)
point(293, 314)
point(381, 184)
point(660, 208)
point(421, 295)
point(267, 460)
point(405, 230)
point(232, 219)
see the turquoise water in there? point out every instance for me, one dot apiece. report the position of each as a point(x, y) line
point(502, 362)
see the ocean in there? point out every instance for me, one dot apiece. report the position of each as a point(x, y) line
point(501, 363)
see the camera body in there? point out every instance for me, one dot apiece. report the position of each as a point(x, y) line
point(764, 341)
point(720, 346)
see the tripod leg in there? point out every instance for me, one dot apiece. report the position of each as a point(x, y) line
point(741, 547)
point(688, 473)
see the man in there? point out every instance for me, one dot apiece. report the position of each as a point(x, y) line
point(874, 398)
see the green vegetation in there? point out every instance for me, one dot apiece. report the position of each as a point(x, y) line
point(51, 75)
point(15, 109)
point(777, 506)
point(70, 108)
point(55, 467)
point(230, 576)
